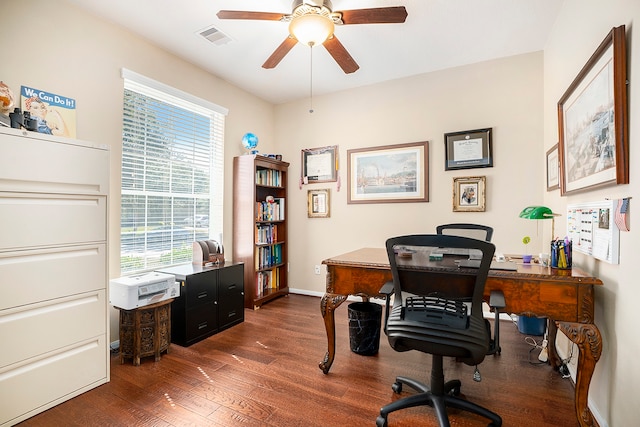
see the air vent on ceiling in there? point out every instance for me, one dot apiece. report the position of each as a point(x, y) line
point(215, 36)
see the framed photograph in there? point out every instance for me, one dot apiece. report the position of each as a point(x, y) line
point(388, 174)
point(320, 164)
point(318, 203)
point(469, 194)
point(593, 120)
point(468, 149)
point(553, 169)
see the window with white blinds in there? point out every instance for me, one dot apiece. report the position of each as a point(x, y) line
point(172, 174)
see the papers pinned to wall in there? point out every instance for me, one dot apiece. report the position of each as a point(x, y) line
point(592, 229)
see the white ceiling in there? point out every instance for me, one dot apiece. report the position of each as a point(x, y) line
point(437, 34)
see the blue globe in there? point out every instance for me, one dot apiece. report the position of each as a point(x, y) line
point(249, 141)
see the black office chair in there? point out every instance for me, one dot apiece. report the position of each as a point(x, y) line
point(474, 231)
point(496, 299)
point(430, 314)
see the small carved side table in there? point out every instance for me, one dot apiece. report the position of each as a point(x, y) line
point(145, 331)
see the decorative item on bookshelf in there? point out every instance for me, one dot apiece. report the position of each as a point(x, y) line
point(250, 142)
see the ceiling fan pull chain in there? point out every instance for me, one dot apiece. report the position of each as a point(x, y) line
point(311, 78)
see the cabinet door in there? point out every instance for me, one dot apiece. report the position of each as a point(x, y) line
point(231, 296)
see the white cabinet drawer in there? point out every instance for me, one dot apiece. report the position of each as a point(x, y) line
point(43, 381)
point(39, 220)
point(39, 163)
point(42, 274)
point(45, 326)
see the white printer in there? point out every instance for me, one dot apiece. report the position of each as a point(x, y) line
point(136, 291)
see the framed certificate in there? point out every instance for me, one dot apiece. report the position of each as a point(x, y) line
point(320, 164)
point(468, 149)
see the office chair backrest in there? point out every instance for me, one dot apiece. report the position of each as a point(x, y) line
point(474, 231)
point(415, 273)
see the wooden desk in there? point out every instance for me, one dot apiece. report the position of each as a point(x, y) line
point(564, 296)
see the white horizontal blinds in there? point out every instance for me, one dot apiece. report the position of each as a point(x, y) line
point(172, 172)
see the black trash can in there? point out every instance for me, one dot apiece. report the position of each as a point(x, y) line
point(364, 327)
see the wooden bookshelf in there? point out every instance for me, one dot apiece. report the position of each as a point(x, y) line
point(260, 226)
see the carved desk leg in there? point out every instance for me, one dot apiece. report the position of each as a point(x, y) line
point(554, 359)
point(328, 304)
point(587, 337)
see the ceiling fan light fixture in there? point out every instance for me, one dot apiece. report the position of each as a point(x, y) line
point(311, 29)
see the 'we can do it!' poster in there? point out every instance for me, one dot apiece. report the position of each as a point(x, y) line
point(55, 114)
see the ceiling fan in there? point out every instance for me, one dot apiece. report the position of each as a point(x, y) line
point(312, 22)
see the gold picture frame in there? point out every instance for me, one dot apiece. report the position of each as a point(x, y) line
point(469, 194)
point(319, 203)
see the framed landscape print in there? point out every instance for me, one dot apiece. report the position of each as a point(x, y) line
point(388, 174)
point(593, 142)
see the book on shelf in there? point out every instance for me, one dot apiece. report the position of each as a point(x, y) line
point(267, 280)
point(268, 256)
point(266, 234)
point(266, 211)
point(269, 177)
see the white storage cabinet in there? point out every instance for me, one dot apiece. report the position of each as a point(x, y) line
point(54, 324)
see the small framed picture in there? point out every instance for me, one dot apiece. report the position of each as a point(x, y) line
point(553, 169)
point(468, 149)
point(318, 203)
point(469, 194)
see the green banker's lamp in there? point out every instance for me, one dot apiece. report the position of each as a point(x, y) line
point(540, 212)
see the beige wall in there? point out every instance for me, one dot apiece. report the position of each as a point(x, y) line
point(73, 54)
point(504, 94)
point(579, 29)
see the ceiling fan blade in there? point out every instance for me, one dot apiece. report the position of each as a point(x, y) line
point(280, 52)
point(340, 54)
point(380, 15)
point(241, 14)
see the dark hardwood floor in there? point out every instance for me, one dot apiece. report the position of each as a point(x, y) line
point(264, 372)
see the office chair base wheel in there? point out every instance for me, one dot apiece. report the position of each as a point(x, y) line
point(381, 421)
point(396, 387)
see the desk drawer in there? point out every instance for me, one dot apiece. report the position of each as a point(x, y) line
point(231, 311)
point(200, 289)
point(200, 322)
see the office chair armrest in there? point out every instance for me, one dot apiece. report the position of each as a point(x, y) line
point(496, 300)
point(387, 290)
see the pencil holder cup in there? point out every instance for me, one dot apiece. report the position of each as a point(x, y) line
point(561, 254)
